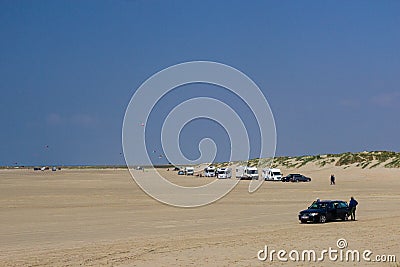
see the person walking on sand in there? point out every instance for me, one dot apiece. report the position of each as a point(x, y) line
point(353, 205)
point(332, 179)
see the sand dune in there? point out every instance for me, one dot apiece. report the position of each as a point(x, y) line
point(101, 217)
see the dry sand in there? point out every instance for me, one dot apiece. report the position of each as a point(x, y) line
point(101, 217)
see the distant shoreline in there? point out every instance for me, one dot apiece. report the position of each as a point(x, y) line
point(79, 166)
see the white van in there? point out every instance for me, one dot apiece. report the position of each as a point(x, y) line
point(189, 170)
point(272, 174)
point(224, 173)
point(245, 172)
point(209, 171)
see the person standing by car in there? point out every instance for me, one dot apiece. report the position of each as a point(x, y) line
point(352, 205)
point(332, 179)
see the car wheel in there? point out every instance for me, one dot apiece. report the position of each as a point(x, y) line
point(322, 219)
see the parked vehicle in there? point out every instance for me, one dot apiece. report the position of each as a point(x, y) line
point(224, 173)
point(181, 172)
point(246, 172)
point(210, 171)
point(189, 170)
point(296, 178)
point(325, 210)
point(272, 174)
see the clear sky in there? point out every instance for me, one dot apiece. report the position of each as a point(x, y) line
point(329, 69)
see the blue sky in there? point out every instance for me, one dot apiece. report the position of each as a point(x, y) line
point(329, 69)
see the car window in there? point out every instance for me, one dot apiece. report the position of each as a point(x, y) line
point(318, 205)
point(342, 205)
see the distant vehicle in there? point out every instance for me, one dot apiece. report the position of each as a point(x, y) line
point(325, 210)
point(176, 169)
point(189, 170)
point(139, 168)
point(272, 174)
point(224, 173)
point(210, 171)
point(181, 172)
point(296, 178)
point(246, 172)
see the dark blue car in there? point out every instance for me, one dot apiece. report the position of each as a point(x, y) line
point(325, 210)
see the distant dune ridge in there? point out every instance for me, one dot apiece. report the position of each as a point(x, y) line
point(366, 159)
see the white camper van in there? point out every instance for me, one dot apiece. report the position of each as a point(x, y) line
point(189, 170)
point(209, 171)
point(272, 174)
point(245, 172)
point(223, 173)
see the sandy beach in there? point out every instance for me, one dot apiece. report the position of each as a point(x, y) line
point(101, 217)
